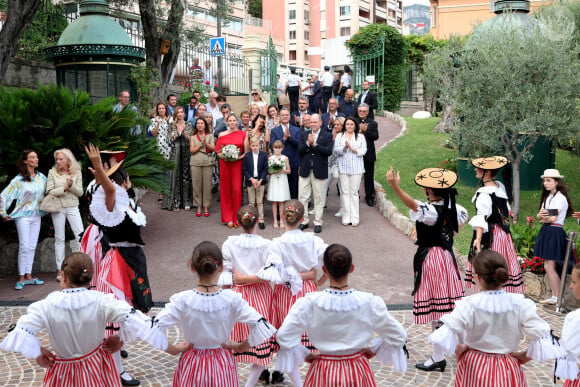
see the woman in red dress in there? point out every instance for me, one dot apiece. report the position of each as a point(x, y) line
point(231, 171)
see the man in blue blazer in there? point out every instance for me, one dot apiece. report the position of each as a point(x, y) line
point(190, 110)
point(255, 169)
point(314, 149)
point(290, 136)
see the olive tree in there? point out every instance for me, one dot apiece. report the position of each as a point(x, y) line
point(516, 85)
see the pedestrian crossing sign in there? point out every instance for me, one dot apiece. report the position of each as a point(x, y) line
point(217, 46)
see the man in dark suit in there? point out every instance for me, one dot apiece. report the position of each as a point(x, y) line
point(296, 117)
point(314, 149)
point(370, 129)
point(369, 98)
point(290, 136)
point(190, 110)
point(328, 117)
point(220, 124)
point(348, 106)
point(255, 168)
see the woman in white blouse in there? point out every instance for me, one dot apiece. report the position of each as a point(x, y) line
point(65, 181)
point(350, 147)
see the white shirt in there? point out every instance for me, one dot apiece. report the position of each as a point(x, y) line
point(345, 79)
point(247, 253)
point(279, 88)
point(427, 214)
point(327, 79)
point(340, 323)
point(75, 320)
point(207, 319)
point(567, 367)
point(215, 112)
point(293, 80)
point(558, 202)
point(363, 96)
point(301, 250)
point(255, 157)
point(483, 204)
point(350, 163)
point(493, 322)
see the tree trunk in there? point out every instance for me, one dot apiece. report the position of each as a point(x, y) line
point(20, 15)
point(152, 33)
point(516, 187)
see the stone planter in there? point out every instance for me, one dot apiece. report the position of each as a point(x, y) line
point(535, 286)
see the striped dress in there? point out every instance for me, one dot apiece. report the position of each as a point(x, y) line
point(438, 283)
point(340, 324)
point(492, 216)
point(75, 320)
point(567, 366)
point(247, 254)
point(492, 324)
point(207, 320)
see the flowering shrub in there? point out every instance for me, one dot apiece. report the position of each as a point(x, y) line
point(524, 236)
point(533, 265)
point(450, 164)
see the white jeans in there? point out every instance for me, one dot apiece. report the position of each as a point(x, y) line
point(316, 187)
point(349, 187)
point(28, 228)
point(59, 219)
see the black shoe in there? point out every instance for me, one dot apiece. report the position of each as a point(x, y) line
point(265, 376)
point(370, 202)
point(262, 226)
point(130, 382)
point(436, 364)
point(124, 354)
point(318, 229)
point(303, 226)
point(277, 377)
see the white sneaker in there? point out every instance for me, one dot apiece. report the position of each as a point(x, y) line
point(550, 301)
point(338, 214)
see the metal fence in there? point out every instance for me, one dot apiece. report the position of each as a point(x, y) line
point(412, 85)
point(370, 66)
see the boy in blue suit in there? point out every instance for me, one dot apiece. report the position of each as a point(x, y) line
point(255, 168)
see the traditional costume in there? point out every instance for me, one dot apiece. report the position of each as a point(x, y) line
point(75, 319)
point(247, 254)
point(491, 203)
point(340, 324)
point(567, 364)
point(206, 320)
point(492, 324)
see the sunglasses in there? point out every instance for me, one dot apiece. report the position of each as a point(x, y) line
point(254, 93)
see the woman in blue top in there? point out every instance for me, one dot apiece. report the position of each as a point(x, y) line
point(26, 191)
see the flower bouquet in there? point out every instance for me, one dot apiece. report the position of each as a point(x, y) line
point(230, 153)
point(276, 165)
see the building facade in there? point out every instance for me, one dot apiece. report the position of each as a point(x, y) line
point(314, 31)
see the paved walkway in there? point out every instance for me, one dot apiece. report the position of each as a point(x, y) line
point(382, 255)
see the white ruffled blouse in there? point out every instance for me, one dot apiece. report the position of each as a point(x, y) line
point(207, 319)
point(495, 322)
point(567, 366)
point(341, 323)
point(483, 204)
point(123, 206)
point(75, 320)
point(294, 252)
point(557, 202)
point(247, 253)
point(427, 214)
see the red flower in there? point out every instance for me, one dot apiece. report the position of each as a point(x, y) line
point(529, 219)
point(207, 82)
point(366, 52)
point(216, 85)
point(189, 85)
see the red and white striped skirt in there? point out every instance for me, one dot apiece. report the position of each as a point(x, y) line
point(476, 369)
point(339, 371)
point(96, 369)
point(259, 296)
point(91, 246)
point(206, 368)
point(572, 383)
point(503, 244)
point(282, 301)
point(440, 287)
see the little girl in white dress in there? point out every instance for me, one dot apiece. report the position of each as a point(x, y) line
point(278, 188)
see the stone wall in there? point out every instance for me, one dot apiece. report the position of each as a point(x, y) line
point(29, 74)
point(44, 258)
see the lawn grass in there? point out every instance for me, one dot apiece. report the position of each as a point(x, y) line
point(422, 148)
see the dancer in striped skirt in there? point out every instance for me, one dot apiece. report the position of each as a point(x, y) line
point(491, 224)
point(293, 260)
point(341, 322)
point(207, 315)
point(567, 366)
point(437, 280)
point(244, 255)
point(490, 325)
point(75, 319)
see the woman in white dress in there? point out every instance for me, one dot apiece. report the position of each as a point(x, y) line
point(278, 188)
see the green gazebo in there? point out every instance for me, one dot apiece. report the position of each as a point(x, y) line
point(95, 54)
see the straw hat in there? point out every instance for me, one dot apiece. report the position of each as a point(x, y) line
point(117, 155)
point(436, 178)
point(489, 163)
point(553, 173)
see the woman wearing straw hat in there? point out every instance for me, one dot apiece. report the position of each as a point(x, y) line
point(491, 224)
point(437, 280)
point(551, 242)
